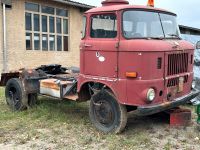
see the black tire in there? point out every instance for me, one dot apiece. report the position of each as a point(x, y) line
point(15, 94)
point(106, 114)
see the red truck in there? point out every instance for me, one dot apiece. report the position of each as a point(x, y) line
point(132, 60)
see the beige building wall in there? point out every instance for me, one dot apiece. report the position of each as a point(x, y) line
point(1, 40)
point(19, 57)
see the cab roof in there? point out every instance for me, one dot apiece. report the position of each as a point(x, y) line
point(124, 7)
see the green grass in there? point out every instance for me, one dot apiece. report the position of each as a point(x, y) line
point(54, 124)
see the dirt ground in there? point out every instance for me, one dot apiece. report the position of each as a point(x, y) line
point(57, 125)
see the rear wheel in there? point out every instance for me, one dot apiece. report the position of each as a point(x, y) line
point(106, 113)
point(15, 94)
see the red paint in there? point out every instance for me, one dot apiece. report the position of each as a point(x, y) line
point(114, 2)
point(180, 117)
point(114, 8)
point(136, 55)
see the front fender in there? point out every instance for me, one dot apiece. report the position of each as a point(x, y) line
point(117, 86)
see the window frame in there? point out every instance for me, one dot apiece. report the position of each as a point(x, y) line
point(85, 29)
point(48, 33)
point(32, 4)
point(31, 43)
point(146, 10)
point(105, 13)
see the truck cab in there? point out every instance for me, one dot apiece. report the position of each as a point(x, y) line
point(132, 62)
point(136, 50)
point(137, 53)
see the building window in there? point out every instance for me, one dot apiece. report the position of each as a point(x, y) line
point(28, 21)
point(47, 28)
point(44, 42)
point(36, 41)
point(32, 7)
point(51, 24)
point(61, 12)
point(52, 42)
point(36, 22)
point(44, 23)
point(48, 10)
point(58, 22)
point(28, 41)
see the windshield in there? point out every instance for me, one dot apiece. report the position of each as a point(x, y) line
point(144, 24)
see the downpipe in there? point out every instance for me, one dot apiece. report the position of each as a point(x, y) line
point(4, 40)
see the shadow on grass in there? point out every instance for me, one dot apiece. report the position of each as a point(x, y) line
point(148, 122)
point(79, 112)
point(56, 110)
point(76, 114)
point(51, 110)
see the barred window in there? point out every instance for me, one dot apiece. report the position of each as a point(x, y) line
point(47, 28)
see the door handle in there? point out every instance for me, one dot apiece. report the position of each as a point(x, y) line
point(87, 45)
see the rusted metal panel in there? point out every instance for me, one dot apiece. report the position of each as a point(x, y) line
point(180, 117)
point(50, 87)
point(30, 79)
point(72, 97)
point(49, 83)
point(56, 88)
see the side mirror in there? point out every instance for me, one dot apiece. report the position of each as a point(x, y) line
point(198, 45)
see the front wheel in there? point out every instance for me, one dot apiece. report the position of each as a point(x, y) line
point(106, 113)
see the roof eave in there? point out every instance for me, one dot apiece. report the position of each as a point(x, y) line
point(190, 28)
point(72, 3)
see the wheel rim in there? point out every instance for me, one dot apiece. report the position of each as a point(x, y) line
point(13, 97)
point(104, 113)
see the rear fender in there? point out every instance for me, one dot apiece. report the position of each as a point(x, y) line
point(7, 76)
point(29, 79)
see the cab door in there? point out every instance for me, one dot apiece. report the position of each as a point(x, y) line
point(99, 50)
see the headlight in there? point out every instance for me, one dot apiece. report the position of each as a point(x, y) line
point(193, 84)
point(151, 94)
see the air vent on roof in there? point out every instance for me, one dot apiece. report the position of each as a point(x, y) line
point(114, 2)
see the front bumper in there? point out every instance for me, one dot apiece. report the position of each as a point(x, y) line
point(149, 110)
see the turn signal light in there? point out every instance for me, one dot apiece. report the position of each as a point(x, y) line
point(150, 3)
point(131, 74)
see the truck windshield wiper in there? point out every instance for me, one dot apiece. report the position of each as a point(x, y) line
point(174, 35)
point(156, 38)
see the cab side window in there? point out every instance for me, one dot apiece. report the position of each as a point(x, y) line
point(84, 26)
point(103, 26)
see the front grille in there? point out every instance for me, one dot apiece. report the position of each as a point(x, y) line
point(175, 81)
point(177, 63)
point(159, 63)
